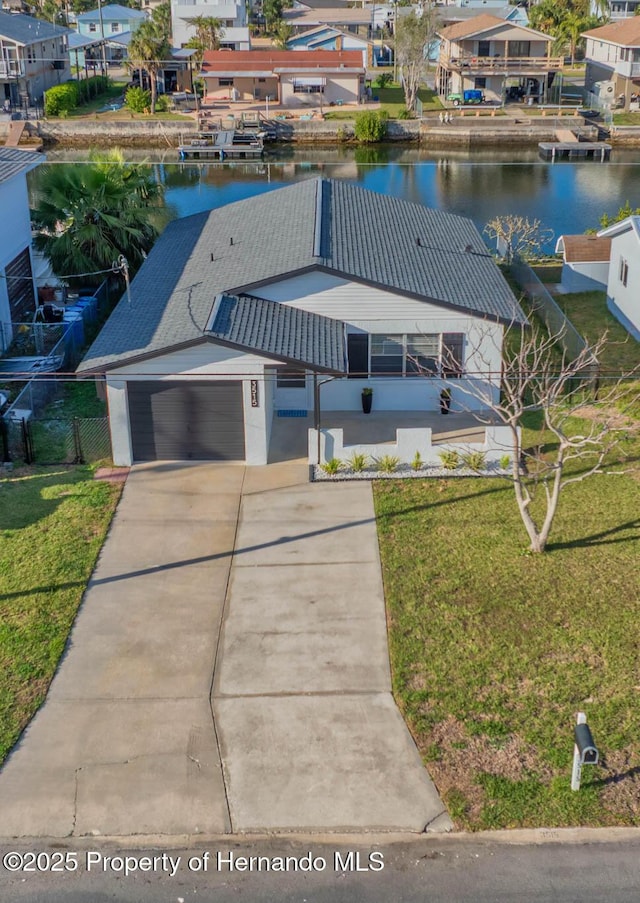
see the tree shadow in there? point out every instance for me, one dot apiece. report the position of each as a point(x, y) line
point(21, 500)
point(599, 539)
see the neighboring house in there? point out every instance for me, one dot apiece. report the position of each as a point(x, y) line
point(585, 262)
point(327, 37)
point(616, 9)
point(355, 21)
point(34, 56)
point(612, 53)
point(500, 58)
point(623, 286)
point(17, 286)
point(115, 26)
point(288, 77)
point(239, 314)
point(232, 15)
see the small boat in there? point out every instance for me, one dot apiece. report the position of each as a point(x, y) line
point(28, 366)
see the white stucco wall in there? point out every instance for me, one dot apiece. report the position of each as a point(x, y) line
point(587, 276)
point(337, 87)
point(203, 360)
point(624, 301)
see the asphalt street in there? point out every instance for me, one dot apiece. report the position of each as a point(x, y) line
point(440, 869)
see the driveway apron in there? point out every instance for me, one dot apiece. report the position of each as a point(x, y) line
point(159, 723)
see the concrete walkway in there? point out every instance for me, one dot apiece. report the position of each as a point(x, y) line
point(158, 723)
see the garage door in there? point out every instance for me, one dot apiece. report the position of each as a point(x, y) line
point(186, 421)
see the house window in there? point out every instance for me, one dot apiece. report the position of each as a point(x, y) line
point(387, 355)
point(261, 81)
point(480, 82)
point(624, 271)
point(308, 89)
point(414, 355)
point(519, 48)
point(93, 27)
point(484, 48)
point(225, 82)
point(115, 26)
point(288, 378)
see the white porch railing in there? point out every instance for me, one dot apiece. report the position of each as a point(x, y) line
point(497, 443)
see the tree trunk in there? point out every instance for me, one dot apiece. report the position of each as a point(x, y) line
point(153, 79)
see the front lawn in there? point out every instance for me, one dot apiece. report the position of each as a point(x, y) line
point(494, 650)
point(52, 525)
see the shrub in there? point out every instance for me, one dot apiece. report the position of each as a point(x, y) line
point(475, 460)
point(384, 79)
point(387, 463)
point(138, 100)
point(370, 127)
point(331, 467)
point(61, 99)
point(450, 459)
point(417, 461)
point(91, 87)
point(405, 114)
point(505, 462)
point(162, 104)
point(357, 462)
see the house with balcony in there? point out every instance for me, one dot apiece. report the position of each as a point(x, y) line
point(612, 53)
point(232, 15)
point(34, 56)
point(114, 25)
point(505, 60)
point(328, 37)
point(615, 10)
point(293, 78)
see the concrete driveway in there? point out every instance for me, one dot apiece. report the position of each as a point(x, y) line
point(158, 722)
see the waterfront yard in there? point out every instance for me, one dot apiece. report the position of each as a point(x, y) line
point(52, 525)
point(494, 649)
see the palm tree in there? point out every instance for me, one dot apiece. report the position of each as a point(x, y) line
point(570, 30)
point(149, 49)
point(87, 216)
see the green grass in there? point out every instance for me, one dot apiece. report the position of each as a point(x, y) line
point(493, 650)
point(78, 399)
point(626, 118)
point(392, 99)
point(548, 273)
point(115, 90)
point(52, 525)
point(589, 314)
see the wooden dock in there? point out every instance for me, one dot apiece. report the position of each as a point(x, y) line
point(574, 150)
point(221, 145)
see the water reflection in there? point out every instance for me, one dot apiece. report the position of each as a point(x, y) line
point(566, 197)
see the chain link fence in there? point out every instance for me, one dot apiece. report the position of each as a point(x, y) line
point(83, 440)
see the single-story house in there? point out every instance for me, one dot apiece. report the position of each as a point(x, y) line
point(288, 77)
point(17, 287)
point(585, 262)
point(623, 284)
point(244, 313)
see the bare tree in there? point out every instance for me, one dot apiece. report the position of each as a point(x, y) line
point(537, 377)
point(518, 236)
point(412, 35)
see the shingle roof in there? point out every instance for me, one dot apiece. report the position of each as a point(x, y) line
point(112, 12)
point(280, 331)
point(27, 29)
point(586, 248)
point(626, 33)
point(482, 23)
point(215, 61)
point(236, 248)
point(14, 161)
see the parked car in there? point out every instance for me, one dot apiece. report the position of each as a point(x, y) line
point(474, 95)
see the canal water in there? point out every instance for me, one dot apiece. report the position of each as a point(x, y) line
point(564, 196)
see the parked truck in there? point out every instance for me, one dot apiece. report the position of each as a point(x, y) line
point(474, 95)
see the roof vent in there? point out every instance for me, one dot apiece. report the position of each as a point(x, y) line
point(418, 243)
point(469, 248)
point(212, 257)
point(230, 241)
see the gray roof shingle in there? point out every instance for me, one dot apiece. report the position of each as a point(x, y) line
point(233, 249)
point(27, 29)
point(14, 161)
point(280, 331)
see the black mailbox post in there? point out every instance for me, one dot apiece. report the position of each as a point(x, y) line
point(585, 751)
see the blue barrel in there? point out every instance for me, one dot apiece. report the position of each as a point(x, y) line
point(90, 307)
point(76, 326)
